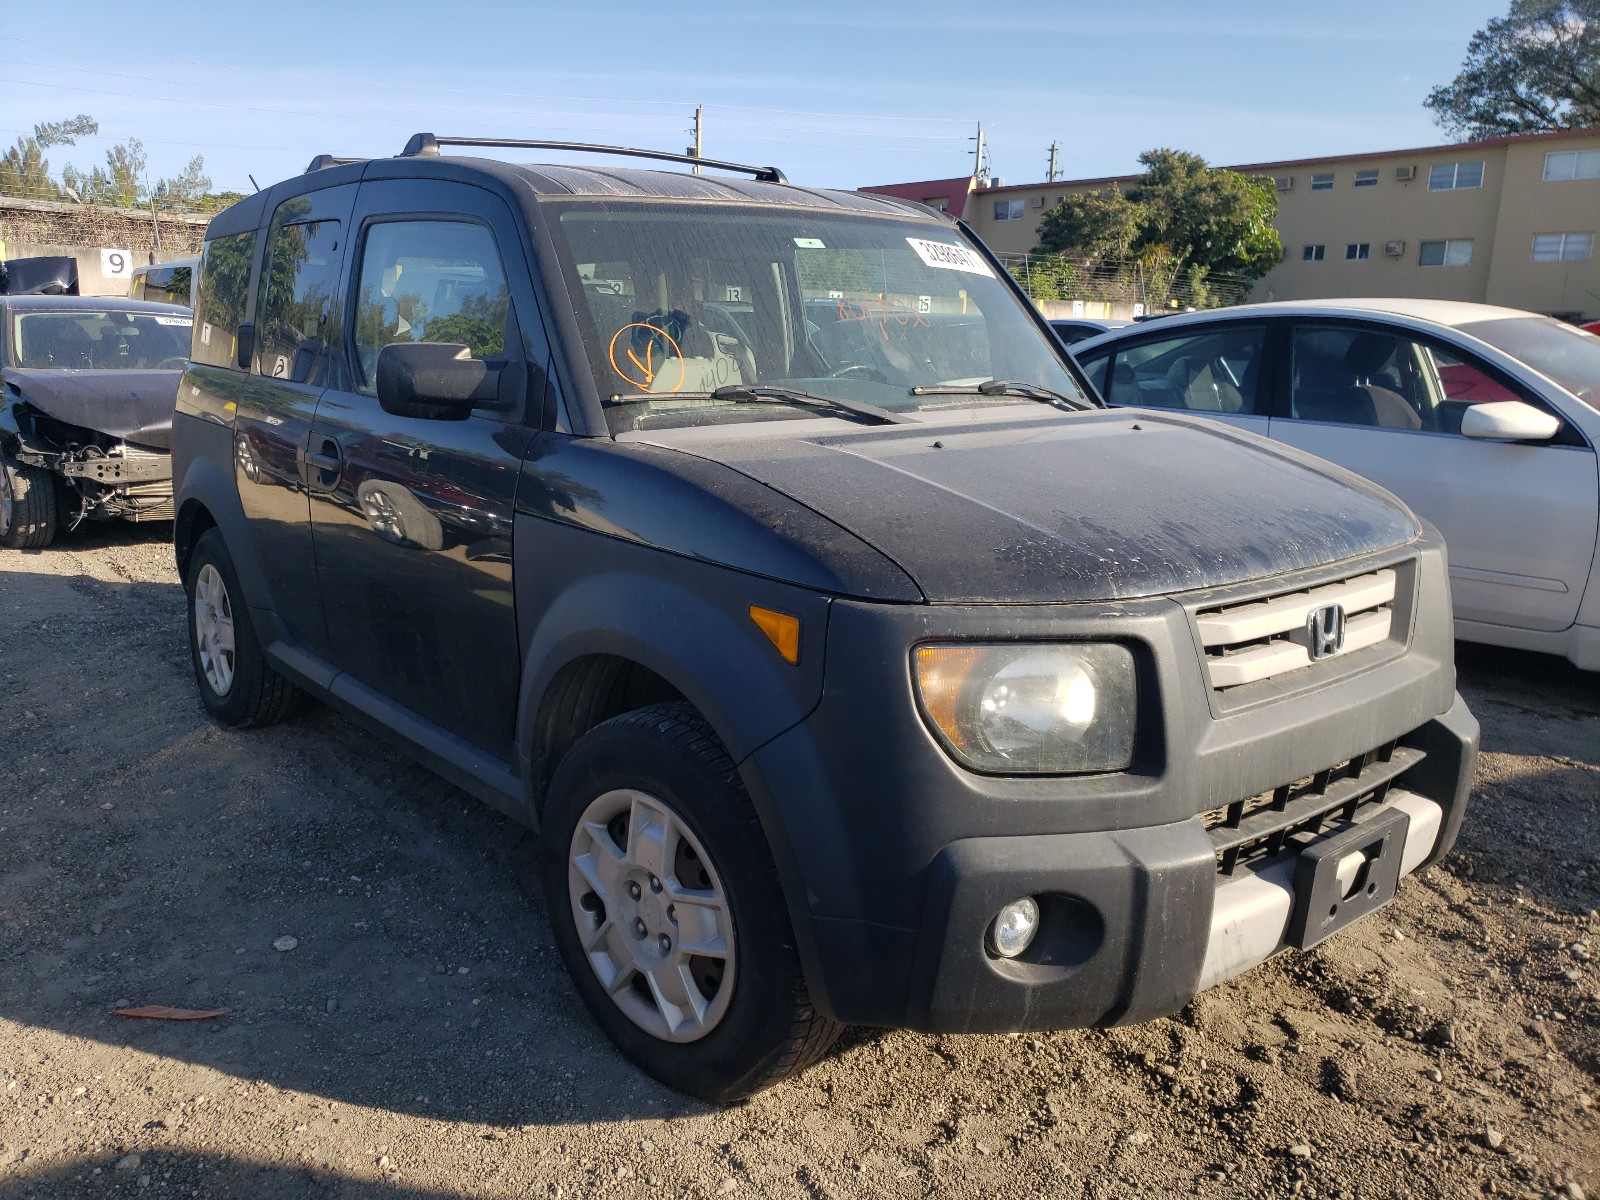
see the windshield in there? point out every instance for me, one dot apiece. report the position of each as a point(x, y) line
point(1567, 354)
point(679, 300)
point(108, 340)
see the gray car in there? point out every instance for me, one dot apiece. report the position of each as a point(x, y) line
point(86, 416)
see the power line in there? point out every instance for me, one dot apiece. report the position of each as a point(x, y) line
point(289, 112)
point(231, 68)
point(482, 110)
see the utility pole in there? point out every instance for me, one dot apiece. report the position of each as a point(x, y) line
point(1055, 149)
point(980, 164)
point(699, 133)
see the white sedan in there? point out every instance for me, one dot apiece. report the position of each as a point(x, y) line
point(1482, 419)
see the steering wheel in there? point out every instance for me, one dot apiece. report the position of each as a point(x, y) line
point(174, 360)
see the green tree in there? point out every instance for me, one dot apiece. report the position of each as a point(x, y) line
point(1217, 220)
point(1536, 68)
point(24, 170)
point(217, 201)
point(1097, 224)
point(185, 190)
point(120, 183)
point(1181, 219)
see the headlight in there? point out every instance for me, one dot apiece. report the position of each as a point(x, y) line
point(1055, 709)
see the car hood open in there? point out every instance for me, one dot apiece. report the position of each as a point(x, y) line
point(135, 406)
point(1095, 506)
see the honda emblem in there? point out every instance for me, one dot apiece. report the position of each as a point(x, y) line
point(1325, 629)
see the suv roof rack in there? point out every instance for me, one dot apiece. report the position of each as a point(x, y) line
point(323, 161)
point(424, 144)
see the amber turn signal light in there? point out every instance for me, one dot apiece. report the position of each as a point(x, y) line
point(782, 630)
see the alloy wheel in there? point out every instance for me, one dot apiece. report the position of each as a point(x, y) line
point(383, 516)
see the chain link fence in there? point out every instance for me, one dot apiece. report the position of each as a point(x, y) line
point(1115, 286)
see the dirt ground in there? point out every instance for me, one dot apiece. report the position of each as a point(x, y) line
point(421, 1040)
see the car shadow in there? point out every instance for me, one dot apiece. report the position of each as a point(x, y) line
point(188, 1172)
point(150, 856)
point(1534, 818)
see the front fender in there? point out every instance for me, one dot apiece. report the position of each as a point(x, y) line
point(202, 484)
point(688, 621)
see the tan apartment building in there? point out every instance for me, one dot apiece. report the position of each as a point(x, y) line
point(1507, 220)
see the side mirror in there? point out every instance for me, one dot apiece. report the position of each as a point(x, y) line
point(436, 381)
point(1509, 420)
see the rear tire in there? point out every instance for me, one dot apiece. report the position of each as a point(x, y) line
point(718, 1025)
point(27, 506)
point(236, 684)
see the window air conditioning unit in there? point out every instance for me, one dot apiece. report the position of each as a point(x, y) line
point(1405, 174)
point(1038, 201)
point(1394, 249)
point(1285, 183)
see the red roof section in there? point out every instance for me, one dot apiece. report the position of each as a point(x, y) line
point(954, 190)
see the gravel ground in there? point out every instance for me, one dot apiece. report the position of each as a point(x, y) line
point(420, 1038)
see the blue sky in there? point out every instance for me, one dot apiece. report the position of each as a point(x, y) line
point(837, 94)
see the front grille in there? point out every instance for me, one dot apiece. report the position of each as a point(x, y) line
point(1265, 638)
point(1263, 826)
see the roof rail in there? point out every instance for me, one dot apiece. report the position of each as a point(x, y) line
point(323, 161)
point(426, 144)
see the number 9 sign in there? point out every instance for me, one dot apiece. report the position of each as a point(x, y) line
point(116, 264)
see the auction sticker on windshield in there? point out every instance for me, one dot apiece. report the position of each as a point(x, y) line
point(949, 257)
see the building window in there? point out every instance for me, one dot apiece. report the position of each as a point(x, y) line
point(1452, 177)
point(1312, 253)
point(1358, 251)
point(938, 203)
point(1454, 252)
point(1563, 247)
point(1367, 178)
point(1571, 164)
point(1322, 183)
point(1008, 210)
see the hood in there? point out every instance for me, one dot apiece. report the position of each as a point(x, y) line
point(135, 406)
point(1096, 506)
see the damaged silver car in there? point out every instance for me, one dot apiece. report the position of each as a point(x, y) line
point(86, 413)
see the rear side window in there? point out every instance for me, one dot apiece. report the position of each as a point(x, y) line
point(1206, 372)
point(429, 281)
point(220, 306)
point(301, 274)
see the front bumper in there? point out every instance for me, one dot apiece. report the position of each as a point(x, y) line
point(896, 860)
point(1139, 921)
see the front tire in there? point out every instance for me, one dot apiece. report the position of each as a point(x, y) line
point(27, 506)
point(663, 898)
point(236, 684)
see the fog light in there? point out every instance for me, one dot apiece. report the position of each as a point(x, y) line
point(1014, 928)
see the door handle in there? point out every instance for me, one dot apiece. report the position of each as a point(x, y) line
point(325, 461)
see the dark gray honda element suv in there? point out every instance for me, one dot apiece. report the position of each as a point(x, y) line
point(760, 546)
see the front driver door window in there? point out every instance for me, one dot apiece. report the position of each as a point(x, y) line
point(1519, 517)
point(412, 513)
point(1213, 374)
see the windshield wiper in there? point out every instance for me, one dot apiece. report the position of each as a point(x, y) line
point(1005, 387)
point(761, 393)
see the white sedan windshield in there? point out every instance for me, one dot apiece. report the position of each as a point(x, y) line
point(1565, 353)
